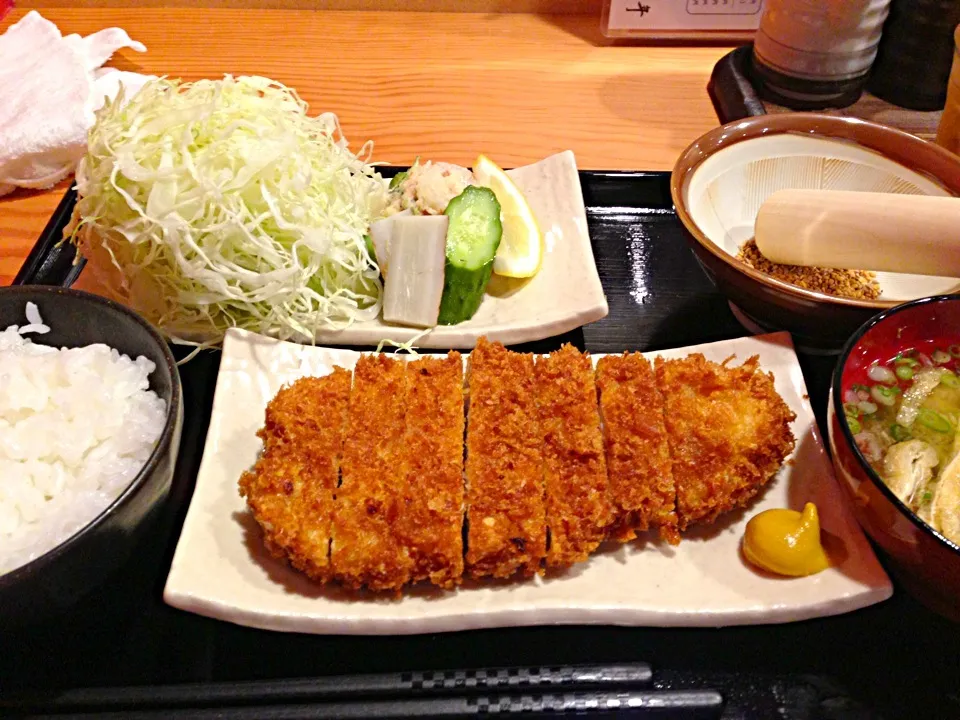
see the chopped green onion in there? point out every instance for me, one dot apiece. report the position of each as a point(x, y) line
point(854, 425)
point(884, 395)
point(398, 179)
point(927, 496)
point(899, 432)
point(940, 357)
point(904, 372)
point(858, 388)
point(901, 360)
point(950, 380)
point(851, 409)
point(933, 420)
point(867, 407)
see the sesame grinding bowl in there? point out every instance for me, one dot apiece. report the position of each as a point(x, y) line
point(721, 180)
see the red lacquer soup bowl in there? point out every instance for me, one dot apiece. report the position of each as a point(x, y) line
point(925, 562)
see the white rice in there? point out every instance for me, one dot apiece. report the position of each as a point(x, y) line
point(76, 426)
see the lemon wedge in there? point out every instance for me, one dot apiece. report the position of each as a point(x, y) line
point(521, 247)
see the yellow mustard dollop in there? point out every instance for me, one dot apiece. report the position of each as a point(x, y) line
point(786, 542)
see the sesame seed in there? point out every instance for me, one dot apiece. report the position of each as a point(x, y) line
point(854, 284)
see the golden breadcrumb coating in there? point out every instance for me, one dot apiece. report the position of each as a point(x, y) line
point(729, 433)
point(430, 521)
point(361, 480)
point(365, 551)
point(575, 469)
point(505, 507)
point(290, 489)
point(638, 458)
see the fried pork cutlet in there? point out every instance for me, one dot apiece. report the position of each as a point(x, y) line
point(430, 522)
point(729, 433)
point(365, 551)
point(290, 489)
point(505, 508)
point(641, 483)
point(575, 469)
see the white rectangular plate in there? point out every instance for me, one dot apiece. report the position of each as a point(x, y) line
point(222, 570)
point(564, 294)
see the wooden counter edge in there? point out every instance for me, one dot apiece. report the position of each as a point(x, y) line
point(551, 7)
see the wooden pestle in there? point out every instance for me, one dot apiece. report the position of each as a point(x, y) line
point(918, 234)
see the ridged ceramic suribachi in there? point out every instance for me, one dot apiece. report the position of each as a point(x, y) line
point(721, 180)
point(726, 192)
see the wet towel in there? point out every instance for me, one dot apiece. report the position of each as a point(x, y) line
point(50, 86)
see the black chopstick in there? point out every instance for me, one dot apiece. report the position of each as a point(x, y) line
point(692, 704)
point(326, 689)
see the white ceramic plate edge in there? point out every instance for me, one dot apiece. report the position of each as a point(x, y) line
point(552, 612)
point(522, 617)
point(554, 325)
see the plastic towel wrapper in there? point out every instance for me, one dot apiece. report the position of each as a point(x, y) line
point(50, 88)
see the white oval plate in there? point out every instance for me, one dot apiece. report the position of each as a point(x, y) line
point(565, 294)
point(221, 569)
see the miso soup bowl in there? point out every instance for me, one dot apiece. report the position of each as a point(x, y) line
point(925, 562)
point(721, 180)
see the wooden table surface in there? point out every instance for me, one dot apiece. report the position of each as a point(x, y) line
point(444, 86)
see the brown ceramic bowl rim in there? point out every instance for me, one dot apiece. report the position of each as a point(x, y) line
point(837, 393)
point(901, 147)
point(170, 420)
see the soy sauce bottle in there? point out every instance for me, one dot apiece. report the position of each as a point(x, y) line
point(813, 54)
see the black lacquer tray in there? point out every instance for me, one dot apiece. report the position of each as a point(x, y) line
point(122, 649)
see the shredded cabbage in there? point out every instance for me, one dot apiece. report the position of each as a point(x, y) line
point(408, 347)
point(221, 203)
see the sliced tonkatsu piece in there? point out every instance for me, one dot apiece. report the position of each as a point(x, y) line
point(290, 489)
point(729, 433)
point(430, 523)
point(641, 483)
point(575, 469)
point(365, 551)
point(505, 504)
